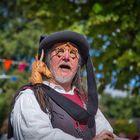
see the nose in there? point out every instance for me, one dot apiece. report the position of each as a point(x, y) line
point(66, 56)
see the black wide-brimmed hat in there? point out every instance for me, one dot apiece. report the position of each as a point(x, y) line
point(46, 42)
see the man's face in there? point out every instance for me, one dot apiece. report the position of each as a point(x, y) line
point(64, 61)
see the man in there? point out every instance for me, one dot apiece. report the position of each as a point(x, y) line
point(55, 106)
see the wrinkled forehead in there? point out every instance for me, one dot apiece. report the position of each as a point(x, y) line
point(64, 45)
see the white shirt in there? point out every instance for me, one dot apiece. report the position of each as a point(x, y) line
point(31, 123)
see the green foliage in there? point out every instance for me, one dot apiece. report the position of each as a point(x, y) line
point(122, 112)
point(124, 126)
point(112, 28)
point(97, 8)
point(120, 108)
point(8, 90)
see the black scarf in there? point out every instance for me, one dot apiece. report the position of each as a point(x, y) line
point(74, 110)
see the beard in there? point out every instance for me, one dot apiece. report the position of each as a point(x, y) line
point(62, 79)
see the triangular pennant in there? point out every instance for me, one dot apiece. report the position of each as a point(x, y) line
point(7, 64)
point(21, 67)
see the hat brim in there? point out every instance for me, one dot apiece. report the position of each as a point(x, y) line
point(66, 36)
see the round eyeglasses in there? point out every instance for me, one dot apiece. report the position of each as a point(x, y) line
point(61, 50)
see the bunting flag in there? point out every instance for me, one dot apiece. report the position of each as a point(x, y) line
point(7, 64)
point(21, 67)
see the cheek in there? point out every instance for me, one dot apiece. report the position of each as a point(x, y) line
point(54, 65)
point(75, 66)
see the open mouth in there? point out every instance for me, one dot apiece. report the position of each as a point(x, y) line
point(64, 66)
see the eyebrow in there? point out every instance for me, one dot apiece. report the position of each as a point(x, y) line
point(61, 43)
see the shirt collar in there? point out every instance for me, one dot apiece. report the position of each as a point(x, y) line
point(59, 88)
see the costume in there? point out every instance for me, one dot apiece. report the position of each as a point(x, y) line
point(66, 116)
point(30, 122)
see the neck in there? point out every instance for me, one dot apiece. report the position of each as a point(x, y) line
point(66, 86)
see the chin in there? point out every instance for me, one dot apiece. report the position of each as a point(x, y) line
point(63, 79)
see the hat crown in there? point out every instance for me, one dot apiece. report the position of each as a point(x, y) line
point(46, 42)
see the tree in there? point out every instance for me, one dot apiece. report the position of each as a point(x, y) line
point(116, 33)
point(111, 27)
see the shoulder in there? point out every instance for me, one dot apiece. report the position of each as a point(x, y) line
point(25, 99)
point(25, 93)
point(25, 103)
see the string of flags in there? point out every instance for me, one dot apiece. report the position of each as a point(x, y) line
point(8, 63)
